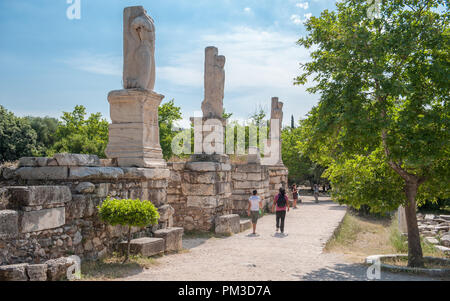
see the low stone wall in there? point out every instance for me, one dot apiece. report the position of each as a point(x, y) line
point(51, 211)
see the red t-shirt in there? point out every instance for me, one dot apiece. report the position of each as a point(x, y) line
point(283, 208)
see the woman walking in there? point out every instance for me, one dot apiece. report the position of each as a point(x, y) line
point(281, 204)
point(254, 209)
point(295, 195)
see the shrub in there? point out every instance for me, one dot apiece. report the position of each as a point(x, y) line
point(131, 213)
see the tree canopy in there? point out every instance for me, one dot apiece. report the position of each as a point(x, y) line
point(18, 139)
point(382, 124)
point(168, 114)
point(78, 135)
point(45, 128)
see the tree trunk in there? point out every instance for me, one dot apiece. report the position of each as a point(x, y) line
point(415, 255)
point(128, 245)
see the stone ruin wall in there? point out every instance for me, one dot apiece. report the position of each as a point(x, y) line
point(246, 178)
point(47, 212)
point(199, 192)
point(234, 186)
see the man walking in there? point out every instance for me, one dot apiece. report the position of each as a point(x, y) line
point(316, 193)
point(281, 204)
point(254, 207)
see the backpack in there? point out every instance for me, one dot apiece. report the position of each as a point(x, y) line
point(281, 202)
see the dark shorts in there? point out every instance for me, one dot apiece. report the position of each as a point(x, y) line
point(254, 215)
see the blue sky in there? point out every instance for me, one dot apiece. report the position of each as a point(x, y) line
point(49, 63)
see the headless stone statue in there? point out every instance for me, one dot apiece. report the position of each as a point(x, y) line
point(134, 132)
point(277, 116)
point(139, 49)
point(277, 111)
point(212, 106)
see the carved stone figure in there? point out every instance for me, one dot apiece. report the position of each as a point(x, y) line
point(277, 116)
point(138, 49)
point(212, 106)
point(134, 132)
point(277, 111)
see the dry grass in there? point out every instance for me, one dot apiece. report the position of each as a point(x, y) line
point(176, 159)
point(112, 267)
point(359, 237)
point(403, 262)
point(14, 164)
point(238, 159)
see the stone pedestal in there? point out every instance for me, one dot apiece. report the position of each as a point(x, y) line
point(134, 132)
point(402, 227)
point(228, 224)
point(207, 187)
point(209, 135)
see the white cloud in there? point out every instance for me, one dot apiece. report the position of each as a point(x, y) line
point(248, 10)
point(303, 5)
point(307, 16)
point(104, 64)
point(296, 19)
point(260, 64)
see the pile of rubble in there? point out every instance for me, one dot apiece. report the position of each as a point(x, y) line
point(435, 229)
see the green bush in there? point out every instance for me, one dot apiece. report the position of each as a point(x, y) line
point(17, 137)
point(131, 213)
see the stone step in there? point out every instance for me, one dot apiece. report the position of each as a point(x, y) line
point(145, 246)
point(446, 217)
point(432, 240)
point(443, 249)
point(245, 224)
point(228, 224)
point(173, 238)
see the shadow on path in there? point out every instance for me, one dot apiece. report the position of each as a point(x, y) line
point(356, 272)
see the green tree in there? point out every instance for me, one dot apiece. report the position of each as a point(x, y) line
point(76, 134)
point(131, 213)
point(258, 117)
point(45, 128)
point(17, 138)
point(301, 167)
point(382, 123)
point(226, 115)
point(168, 114)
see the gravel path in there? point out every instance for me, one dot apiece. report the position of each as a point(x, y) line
point(295, 256)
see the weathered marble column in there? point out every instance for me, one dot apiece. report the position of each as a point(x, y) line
point(134, 132)
point(209, 130)
point(207, 175)
point(275, 130)
point(278, 173)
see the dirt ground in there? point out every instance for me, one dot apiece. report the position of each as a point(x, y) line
point(297, 255)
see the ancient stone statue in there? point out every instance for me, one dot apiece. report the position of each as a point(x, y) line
point(212, 105)
point(138, 49)
point(276, 116)
point(277, 111)
point(134, 132)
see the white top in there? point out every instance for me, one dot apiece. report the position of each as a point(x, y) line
point(254, 200)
